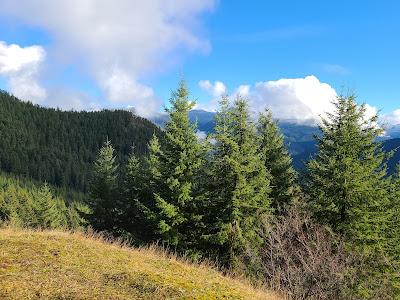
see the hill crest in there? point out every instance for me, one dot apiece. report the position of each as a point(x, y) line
point(61, 265)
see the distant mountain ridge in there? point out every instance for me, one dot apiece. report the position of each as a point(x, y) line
point(293, 132)
point(298, 137)
point(393, 131)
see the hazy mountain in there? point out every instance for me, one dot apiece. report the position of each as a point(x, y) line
point(299, 137)
point(393, 131)
point(293, 131)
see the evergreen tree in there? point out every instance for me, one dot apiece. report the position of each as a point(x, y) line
point(42, 204)
point(77, 215)
point(239, 184)
point(173, 167)
point(394, 233)
point(137, 219)
point(348, 183)
point(51, 212)
point(346, 179)
point(278, 162)
point(24, 204)
point(104, 193)
point(220, 180)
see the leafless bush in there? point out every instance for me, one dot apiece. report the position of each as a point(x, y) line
point(304, 260)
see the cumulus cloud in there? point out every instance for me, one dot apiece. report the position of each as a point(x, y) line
point(243, 91)
point(121, 88)
point(201, 135)
point(298, 99)
point(301, 99)
point(124, 40)
point(392, 119)
point(215, 89)
point(21, 66)
point(71, 99)
point(370, 111)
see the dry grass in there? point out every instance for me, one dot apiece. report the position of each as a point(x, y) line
point(61, 265)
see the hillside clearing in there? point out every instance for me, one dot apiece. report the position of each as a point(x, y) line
point(60, 265)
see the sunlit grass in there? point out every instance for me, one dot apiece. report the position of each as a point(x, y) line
point(61, 265)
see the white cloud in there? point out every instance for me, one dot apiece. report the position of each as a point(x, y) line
point(243, 91)
point(70, 99)
point(370, 111)
point(201, 135)
point(121, 88)
point(300, 99)
point(137, 38)
point(391, 123)
point(215, 89)
point(392, 119)
point(20, 66)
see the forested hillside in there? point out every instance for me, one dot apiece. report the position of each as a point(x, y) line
point(59, 147)
point(30, 204)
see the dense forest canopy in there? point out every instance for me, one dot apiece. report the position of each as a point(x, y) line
point(30, 204)
point(59, 147)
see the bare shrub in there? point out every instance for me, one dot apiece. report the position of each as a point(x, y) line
point(305, 260)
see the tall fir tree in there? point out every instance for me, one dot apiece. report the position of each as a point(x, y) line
point(137, 219)
point(239, 184)
point(104, 190)
point(347, 178)
point(394, 233)
point(173, 166)
point(220, 180)
point(50, 212)
point(55, 212)
point(278, 161)
point(348, 185)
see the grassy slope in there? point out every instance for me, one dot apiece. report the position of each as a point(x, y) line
point(59, 265)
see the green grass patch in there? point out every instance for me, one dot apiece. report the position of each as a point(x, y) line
point(61, 265)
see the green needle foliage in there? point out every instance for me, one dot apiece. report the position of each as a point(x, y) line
point(278, 161)
point(174, 166)
point(137, 211)
point(348, 183)
point(239, 188)
point(59, 147)
point(395, 217)
point(347, 177)
point(23, 203)
point(104, 187)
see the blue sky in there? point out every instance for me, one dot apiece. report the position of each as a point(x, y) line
point(348, 45)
